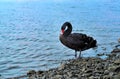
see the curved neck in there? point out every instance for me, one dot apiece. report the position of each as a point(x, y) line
point(67, 28)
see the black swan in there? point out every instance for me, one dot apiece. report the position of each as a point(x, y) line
point(75, 41)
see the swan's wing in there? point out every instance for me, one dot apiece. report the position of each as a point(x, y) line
point(77, 38)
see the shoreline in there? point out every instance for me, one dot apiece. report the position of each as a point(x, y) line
point(84, 68)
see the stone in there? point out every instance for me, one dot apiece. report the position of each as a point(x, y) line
point(116, 50)
point(87, 75)
point(61, 67)
point(91, 77)
point(40, 72)
point(69, 74)
point(31, 73)
point(44, 77)
point(117, 69)
point(58, 77)
point(89, 71)
point(88, 65)
point(107, 77)
point(111, 74)
point(106, 72)
point(101, 54)
point(98, 73)
point(117, 62)
point(83, 69)
point(117, 76)
point(111, 68)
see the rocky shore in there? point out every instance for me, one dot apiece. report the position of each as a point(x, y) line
point(84, 68)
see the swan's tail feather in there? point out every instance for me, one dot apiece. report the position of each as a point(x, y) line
point(91, 42)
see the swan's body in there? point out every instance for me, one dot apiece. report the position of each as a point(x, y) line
point(75, 41)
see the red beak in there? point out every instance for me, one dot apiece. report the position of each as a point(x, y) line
point(62, 31)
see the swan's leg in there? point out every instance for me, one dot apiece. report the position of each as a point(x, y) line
point(75, 54)
point(80, 54)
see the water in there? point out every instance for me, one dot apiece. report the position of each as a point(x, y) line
point(29, 31)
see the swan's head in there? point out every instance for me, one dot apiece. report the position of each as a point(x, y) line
point(63, 29)
point(66, 28)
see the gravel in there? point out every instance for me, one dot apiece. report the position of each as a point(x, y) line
point(84, 68)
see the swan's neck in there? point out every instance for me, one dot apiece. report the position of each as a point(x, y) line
point(68, 30)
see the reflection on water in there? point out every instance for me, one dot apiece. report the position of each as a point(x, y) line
point(29, 32)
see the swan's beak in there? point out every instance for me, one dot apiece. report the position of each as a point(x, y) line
point(62, 31)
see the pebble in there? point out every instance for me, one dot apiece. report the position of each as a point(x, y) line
point(117, 69)
point(61, 67)
point(31, 73)
point(106, 72)
point(116, 50)
point(84, 68)
point(117, 76)
point(117, 62)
